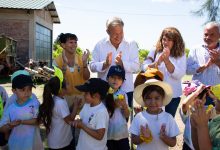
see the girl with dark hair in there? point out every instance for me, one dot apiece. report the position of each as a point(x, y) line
point(55, 115)
point(117, 106)
point(169, 57)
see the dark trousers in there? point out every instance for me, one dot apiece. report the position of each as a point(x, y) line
point(122, 144)
point(69, 147)
point(186, 147)
point(172, 106)
point(130, 99)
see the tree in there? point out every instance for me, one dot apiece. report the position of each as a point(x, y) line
point(211, 9)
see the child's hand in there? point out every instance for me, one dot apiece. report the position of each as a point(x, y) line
point(146, 135)
point(77, 123)
point(163, 131)
point(138, 109)
point(121, 101)
point(14, 123)
point(145, 131)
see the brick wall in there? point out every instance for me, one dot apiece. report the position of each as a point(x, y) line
point(18, 30)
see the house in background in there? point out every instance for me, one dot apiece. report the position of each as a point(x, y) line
point(30, 23)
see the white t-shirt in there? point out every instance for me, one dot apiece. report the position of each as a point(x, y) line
point(95, 118)
point(154, 123)
point(25, 137)
point(60, 133)
point(118, 128)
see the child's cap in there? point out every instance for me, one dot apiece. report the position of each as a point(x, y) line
point(116, 70)
point(166, 87)
point(19, 72)
point(216, 91)
point(95, 85)
point(152, 72)
point(20, 81)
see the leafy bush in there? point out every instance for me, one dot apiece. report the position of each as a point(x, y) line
point(143, 54)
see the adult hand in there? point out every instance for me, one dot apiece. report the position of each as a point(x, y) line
point(108, 61)
point(166, 53)
point(214, 55)
point(205, 66)
point(199, 116)
point(118, 60)
point(85, 56)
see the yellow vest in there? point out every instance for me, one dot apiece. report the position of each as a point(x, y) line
point(73, 78)
point(1, 107)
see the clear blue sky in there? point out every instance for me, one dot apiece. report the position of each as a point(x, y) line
point(144, 20)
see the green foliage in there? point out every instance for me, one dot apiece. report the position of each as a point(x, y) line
point(187, 52)
point(209, 8)
point(143, 54)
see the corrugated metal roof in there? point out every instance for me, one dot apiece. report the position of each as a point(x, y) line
point(32, 4)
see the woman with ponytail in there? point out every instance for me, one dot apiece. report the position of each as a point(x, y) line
point(117, 106)
point(55, 115)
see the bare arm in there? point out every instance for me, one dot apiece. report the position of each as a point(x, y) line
point(97, 134)
point(75, 107)
point(170, 141)
point(29, 122)
point(86, 72)
point(200, 122)
point(170, 67)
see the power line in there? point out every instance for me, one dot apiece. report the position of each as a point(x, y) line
point(123, 13)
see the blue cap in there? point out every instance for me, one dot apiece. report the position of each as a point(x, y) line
point(116, 70)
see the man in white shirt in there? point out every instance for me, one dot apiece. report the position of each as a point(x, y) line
point(115, 50)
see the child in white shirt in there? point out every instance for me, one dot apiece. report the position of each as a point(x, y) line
point(153, 129)
point(94, 118)
point(55, 115)
point(117, 106)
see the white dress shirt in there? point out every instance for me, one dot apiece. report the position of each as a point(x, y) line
point(174, 79)
point(130, 60)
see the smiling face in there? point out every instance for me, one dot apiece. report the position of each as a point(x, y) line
point(211, 36)
point(153, 102)
point(153, 96)
point(115, 82)
point(116, 34)
point(70, 46)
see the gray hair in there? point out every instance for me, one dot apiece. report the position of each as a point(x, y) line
point(213, 24)
point(114, 21)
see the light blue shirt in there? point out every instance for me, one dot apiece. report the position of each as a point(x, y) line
point(198, 57)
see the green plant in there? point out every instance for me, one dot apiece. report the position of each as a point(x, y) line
point(143, 54)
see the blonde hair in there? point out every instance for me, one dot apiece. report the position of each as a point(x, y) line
point(173, 34)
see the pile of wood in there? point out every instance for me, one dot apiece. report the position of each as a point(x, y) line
point(43, 73)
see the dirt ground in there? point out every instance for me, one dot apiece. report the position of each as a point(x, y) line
point(39, 89)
